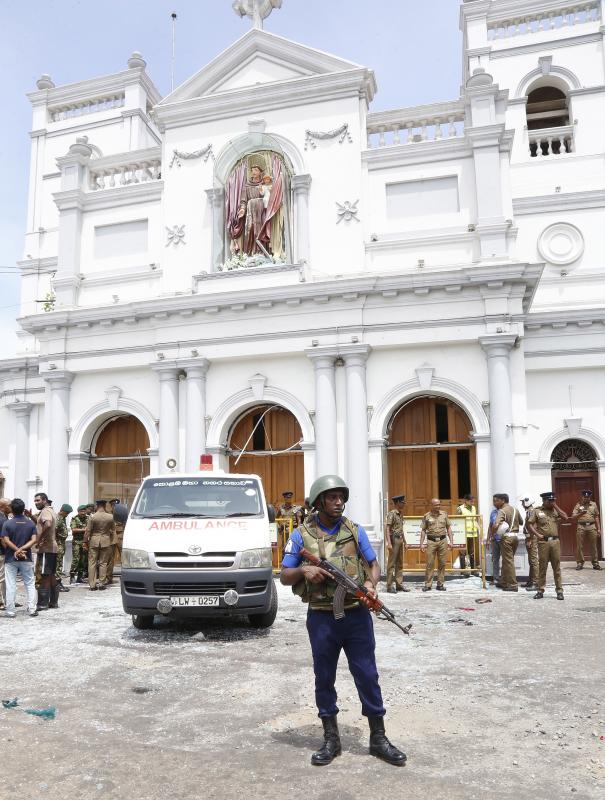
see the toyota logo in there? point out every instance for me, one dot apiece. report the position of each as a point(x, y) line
point(195, 549)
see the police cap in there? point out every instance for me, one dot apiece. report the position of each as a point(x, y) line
point(548, 496)
point(586, 493)
point(114, 501)
point(287, 494)
point(399, 498)
point(100, 502)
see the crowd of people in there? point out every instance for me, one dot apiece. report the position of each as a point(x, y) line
point(96, 546)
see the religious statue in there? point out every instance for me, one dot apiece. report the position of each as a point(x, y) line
point(258, 10)
point(254, 207)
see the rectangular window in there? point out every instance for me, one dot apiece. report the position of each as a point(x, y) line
point(258, 437)
point(121, 239)
point(420, 198)
point(441, 424)
point(463, 458)
point(443, 474)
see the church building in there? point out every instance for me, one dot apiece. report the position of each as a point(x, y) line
point(259, 267)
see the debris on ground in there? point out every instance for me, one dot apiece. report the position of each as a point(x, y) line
point(460, 619)
point(10, 703)
point(43, 713)
point(461, 608)
point(481, 600)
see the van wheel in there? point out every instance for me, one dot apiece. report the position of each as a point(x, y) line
point(143, 622)
point(268, 618)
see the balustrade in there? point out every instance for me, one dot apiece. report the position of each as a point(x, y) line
point(124, 169)
point(568, 15)
point(551, 141)
point(90, 106)
point(413, 125)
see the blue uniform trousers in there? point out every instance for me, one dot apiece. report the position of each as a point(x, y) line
point(355, 635)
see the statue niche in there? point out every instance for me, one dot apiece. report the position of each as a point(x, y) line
point(257, 209)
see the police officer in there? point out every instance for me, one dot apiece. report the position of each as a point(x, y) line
point(589, 525)
point(507, 525)
point(395, 542)
point(531, 545)
point(116, 547)
point(436, 528)
point(78, 555)
point(544, 524)
point(61, 534)
point(100, 533)
point(327, 533)
point(288, 510)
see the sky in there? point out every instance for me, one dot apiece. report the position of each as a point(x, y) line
point(413, 47)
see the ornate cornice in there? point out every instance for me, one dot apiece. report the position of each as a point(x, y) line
point(566, 201)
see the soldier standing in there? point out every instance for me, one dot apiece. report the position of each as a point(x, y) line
point(61, 534)
point(395, 542)
point(78, 554)
point(436, 528)
point(288, 510)
point(586, 512)
point(328, 534)
point(544, 524)
point(100, 533)
point(531, 545)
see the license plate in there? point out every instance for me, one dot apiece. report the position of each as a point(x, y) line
point(197, 600)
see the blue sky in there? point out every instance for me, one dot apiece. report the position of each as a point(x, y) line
point(414, 49)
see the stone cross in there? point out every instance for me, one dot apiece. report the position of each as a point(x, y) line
point(257, 10)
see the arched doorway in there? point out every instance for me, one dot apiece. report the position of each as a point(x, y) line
point(120, 458)
point(574, 467)
point(430, 453)
point(266, 441)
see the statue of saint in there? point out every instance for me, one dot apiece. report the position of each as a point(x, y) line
point(254, 208)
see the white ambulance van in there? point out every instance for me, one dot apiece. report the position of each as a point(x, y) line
point(199, 545)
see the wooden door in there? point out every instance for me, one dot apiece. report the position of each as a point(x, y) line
point(279, 473)
point(567, 485)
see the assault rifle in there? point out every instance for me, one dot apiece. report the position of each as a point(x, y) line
point(347, 585)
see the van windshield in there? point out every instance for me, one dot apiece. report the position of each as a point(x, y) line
point(199, 497)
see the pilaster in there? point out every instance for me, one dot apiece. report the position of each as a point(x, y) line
point(357, 454)
point(168, 376)
point(216, 198)
point(22, 413)
point(195, 424)
point(59, 385)
point(326, 442)
point(301, 185)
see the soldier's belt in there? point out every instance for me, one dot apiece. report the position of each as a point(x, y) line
point(436, 538)
point(586, 523)
point(549, 538)
point(397, 535)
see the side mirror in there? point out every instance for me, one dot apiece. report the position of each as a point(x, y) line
point(271, 512)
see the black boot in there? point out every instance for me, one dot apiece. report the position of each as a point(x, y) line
point(43, 599)
point(54, 597)
point(380, 745)
point(62, 588)
point(331, 746)
point(79, 578)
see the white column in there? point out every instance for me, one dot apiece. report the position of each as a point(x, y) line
point(301, 185)
point(216, 198)
point(195, 430)
point(326, 454)
point(357, 453)
point(57, 485)
point(168, 375)
point(497, 350)
point(21, 471)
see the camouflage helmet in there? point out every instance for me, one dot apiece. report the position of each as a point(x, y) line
point(324, 484)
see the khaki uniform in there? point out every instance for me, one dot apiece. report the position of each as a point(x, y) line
point(100, 532)
point(435, 527)
point(587, 528)
point(508, 545)
point(546, 522)
point(116, 550)
point(531, 543)
point(395, 555)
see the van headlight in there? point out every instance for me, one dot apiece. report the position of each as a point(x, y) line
point(135, 559)
point(251, 559)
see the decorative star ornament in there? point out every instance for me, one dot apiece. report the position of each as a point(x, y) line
point(175, 235)
point(347, 211)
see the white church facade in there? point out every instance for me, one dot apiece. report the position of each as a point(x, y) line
point(259, 267)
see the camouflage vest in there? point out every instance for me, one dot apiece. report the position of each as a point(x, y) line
point(341, 549)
